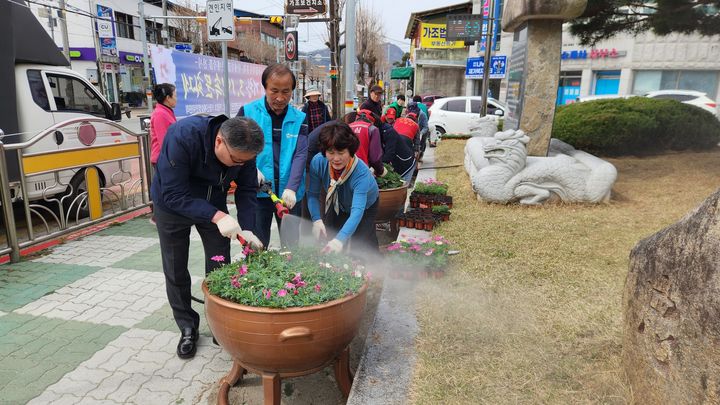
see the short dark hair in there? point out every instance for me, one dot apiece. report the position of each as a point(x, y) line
point(243, 134)
point(277, 69)
point(417, 99)
point(401, 97)
point(338, 136)
point(350, 117)
point(162, 91)
point(376, 89)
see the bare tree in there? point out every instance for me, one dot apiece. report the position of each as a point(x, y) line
point(188, 29)
point(333, 43)
point(369, 44)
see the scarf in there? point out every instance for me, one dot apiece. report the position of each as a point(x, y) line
point(332, 195)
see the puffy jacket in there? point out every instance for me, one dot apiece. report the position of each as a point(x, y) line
point(191, 182)
point(161, 118)
point(370, 150)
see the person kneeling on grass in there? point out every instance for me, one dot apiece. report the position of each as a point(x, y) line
point(352, 197)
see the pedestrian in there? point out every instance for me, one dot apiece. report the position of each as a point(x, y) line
point(162, 117)
point(397, 105)
point(423, 107)
point(199, 158)
point(364, 126)
point(351, 202)
point(374, 102)
point(398, 151)
point(315, 110)
point(422, 120)
point(283, 164)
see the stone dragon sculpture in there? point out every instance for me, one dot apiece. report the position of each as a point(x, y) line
point(501, 171)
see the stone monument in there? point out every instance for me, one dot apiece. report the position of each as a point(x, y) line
point(535, 65)
point(671, 303)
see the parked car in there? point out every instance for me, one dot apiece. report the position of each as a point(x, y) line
point(696, 98)
point(453, 114)
point(429, 99)
point(602, 97)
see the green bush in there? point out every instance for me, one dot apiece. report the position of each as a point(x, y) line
point(635, 126)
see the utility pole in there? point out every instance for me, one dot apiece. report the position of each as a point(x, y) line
point(51, 24)
point(489, 43)
point(93, 31)
point(166, 30)
point(63, 30)
point(146, 64)
point(349, 54)
point(334, 59)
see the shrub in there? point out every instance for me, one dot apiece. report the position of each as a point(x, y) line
point(635, 126)
point(391, 180)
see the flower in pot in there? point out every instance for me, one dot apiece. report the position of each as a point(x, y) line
point(431, 186)
point(270, 311)
point(425, 255)
point(442, 210)
point(393, 193)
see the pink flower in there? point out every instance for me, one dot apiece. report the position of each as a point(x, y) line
point(429, 252)
point(297, 278)
point(317, 287)
point(247, 250)
point(416, 248)
point(243, 270)
point(300, 284)
point(290, 286)
point(394, 246)
point(296, 292)
point(218, 258)
point(368, 276)
point(288, 257)
point(235, 283)
point(282, 293)
point(268, 293)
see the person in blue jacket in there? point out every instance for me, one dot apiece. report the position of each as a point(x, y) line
point(352, 194)
point(282, 162)
point(199, 158)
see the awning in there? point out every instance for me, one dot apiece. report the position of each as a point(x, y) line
point(401, 73)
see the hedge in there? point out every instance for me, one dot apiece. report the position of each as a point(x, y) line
point(635, 126)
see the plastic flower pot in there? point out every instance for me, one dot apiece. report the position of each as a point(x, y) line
point(429, 225)
point(410, 222)
point(401, 222)
point(419, 224)
point(290, 342)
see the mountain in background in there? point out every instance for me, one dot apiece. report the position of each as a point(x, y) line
point(395, 52)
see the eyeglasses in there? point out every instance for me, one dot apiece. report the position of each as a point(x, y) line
point(237, 162)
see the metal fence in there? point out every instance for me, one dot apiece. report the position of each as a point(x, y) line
point(63, 190)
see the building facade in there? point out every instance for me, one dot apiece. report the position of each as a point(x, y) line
point(627, 65)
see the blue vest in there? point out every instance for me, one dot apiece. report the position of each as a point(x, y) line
point(294, 118)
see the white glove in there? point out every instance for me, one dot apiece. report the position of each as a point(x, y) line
point(252, 239)
point(288, 196)
point(319, 229)
point(261, 177)
point(334, 246)
point(384, 172)
point(229, 227)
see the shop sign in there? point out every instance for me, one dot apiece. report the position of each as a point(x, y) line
point(474, 67)
point(433, 36)
point(127, 57)
point(199, 81)
point(593, 54)
point(105, 30)
point(305, 7)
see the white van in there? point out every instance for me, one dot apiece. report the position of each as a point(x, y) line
point(48, 95)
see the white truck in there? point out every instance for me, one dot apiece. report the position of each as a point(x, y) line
point(46, 96)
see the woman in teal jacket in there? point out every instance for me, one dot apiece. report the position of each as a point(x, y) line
point(352, 194)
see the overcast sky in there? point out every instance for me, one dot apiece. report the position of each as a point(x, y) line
point(394, 13)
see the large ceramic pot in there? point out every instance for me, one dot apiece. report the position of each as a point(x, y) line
point(392, 200)
point(284, 342)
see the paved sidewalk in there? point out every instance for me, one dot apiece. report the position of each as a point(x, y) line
point(87, 322)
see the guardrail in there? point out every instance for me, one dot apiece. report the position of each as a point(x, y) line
point(74, 192)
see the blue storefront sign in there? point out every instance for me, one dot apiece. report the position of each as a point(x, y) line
point(199, 81)
point(474, 67)
point(497, 15)
point(184, 48)
point(106, 31)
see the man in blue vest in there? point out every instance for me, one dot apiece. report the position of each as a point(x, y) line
point(282, 162)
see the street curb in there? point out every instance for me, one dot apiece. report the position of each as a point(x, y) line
point(79, 234)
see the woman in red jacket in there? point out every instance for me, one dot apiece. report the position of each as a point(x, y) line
point(162, 117)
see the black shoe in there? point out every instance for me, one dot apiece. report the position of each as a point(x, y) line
point(215, 342)
point(187, 346)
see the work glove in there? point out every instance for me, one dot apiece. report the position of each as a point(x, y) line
point(334, 246)
point(384, 172)
point(252, 240)
point(319, 229)
point(229, 227)
point(261, 177)
point(289, 198)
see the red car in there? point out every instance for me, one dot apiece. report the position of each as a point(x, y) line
point(429, 99)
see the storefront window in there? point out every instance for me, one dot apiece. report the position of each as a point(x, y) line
point(698, 80)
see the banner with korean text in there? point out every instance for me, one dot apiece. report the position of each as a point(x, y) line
point(199, 81)
point(433, 36)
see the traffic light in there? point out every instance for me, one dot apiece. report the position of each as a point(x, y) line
point(276, 19)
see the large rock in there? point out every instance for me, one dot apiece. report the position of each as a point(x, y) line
point(671, 343)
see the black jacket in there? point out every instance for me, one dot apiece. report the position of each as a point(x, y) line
point(399, 150)
point(191, 182)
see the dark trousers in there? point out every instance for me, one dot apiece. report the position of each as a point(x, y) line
point(364, 240)
point(174, 232)
point(263, 220)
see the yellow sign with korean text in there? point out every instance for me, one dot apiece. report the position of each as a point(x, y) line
point(433, 36)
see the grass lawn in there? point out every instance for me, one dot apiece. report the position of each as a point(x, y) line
point(531, 312)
